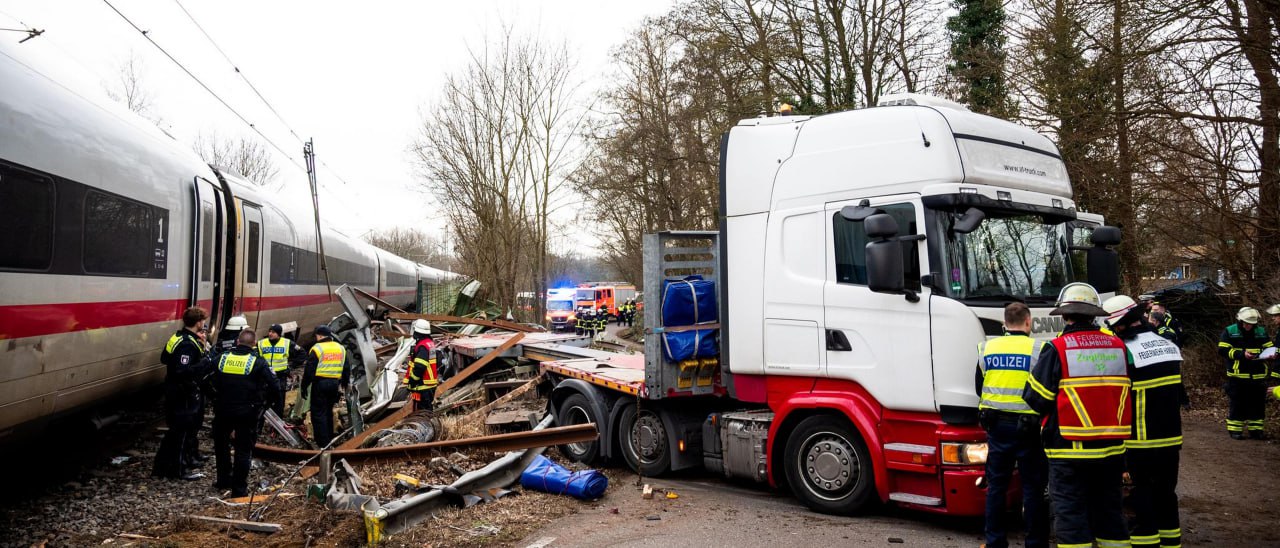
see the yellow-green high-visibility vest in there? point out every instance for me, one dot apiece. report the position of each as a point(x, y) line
point(277, 355)
point(235, 364)
point(1006, 364)
point(332, 359)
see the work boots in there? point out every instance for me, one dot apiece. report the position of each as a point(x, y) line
point(1237, 435)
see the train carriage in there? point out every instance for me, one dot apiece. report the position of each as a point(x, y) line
point(109, 229)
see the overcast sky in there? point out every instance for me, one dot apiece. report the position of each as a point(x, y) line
point(355, 76)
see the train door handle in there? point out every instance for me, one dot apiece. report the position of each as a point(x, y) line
point(837, 341)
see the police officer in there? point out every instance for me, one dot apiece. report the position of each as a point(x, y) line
point(243, 381)
point(422, 372)
point(1012, 429)
point(1240, 346)
point(183, 403)
point(1080, 383)
point(278, 351)
point(1153, 449)
point(323, 379)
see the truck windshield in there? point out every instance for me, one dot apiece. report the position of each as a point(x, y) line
point(559, 305)
point(1020, 256)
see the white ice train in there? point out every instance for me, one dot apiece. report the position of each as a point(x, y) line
point(109, 229)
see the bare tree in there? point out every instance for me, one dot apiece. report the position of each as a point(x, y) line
point(415, 245)
point(494, 151)
point(129, 89)
point(245, 156)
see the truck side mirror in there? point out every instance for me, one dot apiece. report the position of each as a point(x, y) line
point(884, 254)
point(1102, 262)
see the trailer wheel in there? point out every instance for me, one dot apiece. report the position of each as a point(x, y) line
point(829, 467)
point(642, 436)
point(577, 410)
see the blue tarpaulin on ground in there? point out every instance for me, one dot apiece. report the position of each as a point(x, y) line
point(544, 475)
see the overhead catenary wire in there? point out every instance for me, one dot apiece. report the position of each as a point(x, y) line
point(202, 84)
point(252, 87)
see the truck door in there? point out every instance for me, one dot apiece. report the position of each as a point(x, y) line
point(206, 250)
point(250, 255)
point(876, 339)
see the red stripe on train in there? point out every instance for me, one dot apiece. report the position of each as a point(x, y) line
point(33, 320)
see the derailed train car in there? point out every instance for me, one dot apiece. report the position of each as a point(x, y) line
point(109, 229)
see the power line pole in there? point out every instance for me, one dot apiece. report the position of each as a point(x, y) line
point(309, 155)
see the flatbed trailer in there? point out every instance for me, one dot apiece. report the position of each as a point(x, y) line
point(851, 300)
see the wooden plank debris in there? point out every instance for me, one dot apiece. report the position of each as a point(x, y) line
point(256, 527)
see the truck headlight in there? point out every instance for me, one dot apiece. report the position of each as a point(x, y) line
point(964, 453)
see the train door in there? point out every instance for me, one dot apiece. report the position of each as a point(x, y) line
point(206, 250)
point(251, 257)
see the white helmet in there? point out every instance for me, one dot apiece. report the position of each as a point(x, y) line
point(1079, 298)
point(421, 327)
point(1273, 309)
point(1248, 315)
point(237, 323)
point(1117, 308)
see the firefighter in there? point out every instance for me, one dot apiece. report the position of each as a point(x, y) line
point(1012, 429)
point(602, 321)
point(243, 381)
point(579, 320)
point(323, 379)
point(1152, 451)
point(422, 373)
point(227, 337)
point(1165, 324)
point(1240, 346)
point(587, 319)
point(278, 351)
point(1080, 383)
point(183, 401)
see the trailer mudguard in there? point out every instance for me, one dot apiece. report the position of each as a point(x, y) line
point(792, 396)
point(600, 404)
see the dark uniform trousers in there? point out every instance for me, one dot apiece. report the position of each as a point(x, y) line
point(182, 416)
point(1087, 496)
point(324, 395)
point(1155, 480)
point(278, 404)
point(243, 425)
point(1247, 405)
point(1009, 445)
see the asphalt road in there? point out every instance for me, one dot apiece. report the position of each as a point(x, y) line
point(710, 512)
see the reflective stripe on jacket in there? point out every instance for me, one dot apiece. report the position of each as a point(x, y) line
point(1157, 391)
point(332, 359)
point(235, 364)
point(1093, 394)
point(277, 355)
point(1006, 364)
point(422, 373)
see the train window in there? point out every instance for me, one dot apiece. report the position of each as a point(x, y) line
point(206, 241)
point(26, 220)
point(251, 260)
point(119, 236)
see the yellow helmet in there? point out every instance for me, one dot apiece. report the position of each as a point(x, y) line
point(1079, 298)
point(1248, 315)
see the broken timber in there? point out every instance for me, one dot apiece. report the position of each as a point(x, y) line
point(561, 435)
point(478, 365)
point(497, 324)
point(254, 526)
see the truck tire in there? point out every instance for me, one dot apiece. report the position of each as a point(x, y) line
point(576, 409)
point(642, 440)
point(828, 466)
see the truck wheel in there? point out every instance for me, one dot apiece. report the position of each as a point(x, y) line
point(642, 437)
point(577, 410)
point(829, 467)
